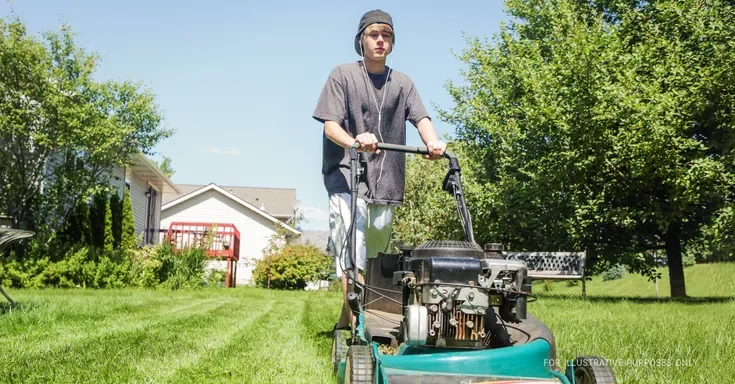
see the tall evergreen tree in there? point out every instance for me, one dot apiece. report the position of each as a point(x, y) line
point(128, 222)
point(97, 218)
point(109, 244)
point(116, 209)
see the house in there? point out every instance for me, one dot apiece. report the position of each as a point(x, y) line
point(255, 212)
point(319, 239)
point(147, 185)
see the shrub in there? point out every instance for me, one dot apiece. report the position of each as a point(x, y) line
point(215, 278)
point(615, 272)
point(91, 267)
point(335, 285)
point(292, 267)
point(147, 264)
point(183, 269)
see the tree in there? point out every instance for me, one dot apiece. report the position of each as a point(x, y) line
point(97, 218)
point(116, 210)
point(62, 132)
point(428, 212)
point(78, 229)
point(165, 167)
point(128, 240)
point(603, 126)
point(109, 240)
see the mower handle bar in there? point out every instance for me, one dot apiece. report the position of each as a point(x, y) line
point(405, 148)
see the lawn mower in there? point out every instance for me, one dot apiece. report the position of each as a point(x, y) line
point(446, 311)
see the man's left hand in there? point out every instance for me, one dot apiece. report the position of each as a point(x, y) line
point(436, 150)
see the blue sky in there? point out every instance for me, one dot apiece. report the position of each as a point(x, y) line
point(238, 80)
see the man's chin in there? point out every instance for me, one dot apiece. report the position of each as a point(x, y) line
point(378, 57)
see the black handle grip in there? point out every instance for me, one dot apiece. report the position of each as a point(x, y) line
point(406, 148)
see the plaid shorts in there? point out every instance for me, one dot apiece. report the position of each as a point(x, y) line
point(374, 225)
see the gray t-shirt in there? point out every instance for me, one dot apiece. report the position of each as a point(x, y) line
point(347, 100)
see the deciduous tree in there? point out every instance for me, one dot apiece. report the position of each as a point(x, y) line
point(61, 131)
point(602, 126)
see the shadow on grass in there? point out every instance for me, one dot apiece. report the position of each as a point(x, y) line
point(324, 334)
point(6, 307)
point(642, 299)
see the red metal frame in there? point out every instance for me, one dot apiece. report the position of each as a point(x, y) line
point(225, 242)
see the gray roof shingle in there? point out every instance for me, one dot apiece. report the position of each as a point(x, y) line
point(278, 202)
point(319, 239)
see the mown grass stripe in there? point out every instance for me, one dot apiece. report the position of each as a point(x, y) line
point(201, 342)
point(43, 338)
point(321, 311)
point(269, 350)
point(100, 354)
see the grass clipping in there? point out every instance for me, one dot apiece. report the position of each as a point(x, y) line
point(388, 349)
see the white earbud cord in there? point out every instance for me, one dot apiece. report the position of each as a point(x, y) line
point(368, 84)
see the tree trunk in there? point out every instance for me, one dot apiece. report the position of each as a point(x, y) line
point(676, 267)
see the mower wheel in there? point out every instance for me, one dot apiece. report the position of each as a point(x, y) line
point(339, 347)
point(359, 368)
point(590, 370)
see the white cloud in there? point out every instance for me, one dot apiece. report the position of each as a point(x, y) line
point(315, 214)
point(224, 152)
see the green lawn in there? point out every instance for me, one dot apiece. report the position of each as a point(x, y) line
point(702, 281)
point(258, 336)
point(215, 335)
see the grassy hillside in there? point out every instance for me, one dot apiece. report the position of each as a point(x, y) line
point(702, 281)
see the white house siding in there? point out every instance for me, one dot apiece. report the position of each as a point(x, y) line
point(157, 217)
point(213, 207)
point(139, 201)
point(117, 180)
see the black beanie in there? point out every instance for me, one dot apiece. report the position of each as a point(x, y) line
point(372, 17)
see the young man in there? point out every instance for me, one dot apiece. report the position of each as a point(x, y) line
point(368, 102)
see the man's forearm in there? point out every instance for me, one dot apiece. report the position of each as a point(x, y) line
point(426, 131)
point(338, 135)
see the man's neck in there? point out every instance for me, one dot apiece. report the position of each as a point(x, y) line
point(373, 66)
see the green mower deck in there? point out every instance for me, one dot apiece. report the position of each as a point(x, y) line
point(528, 362)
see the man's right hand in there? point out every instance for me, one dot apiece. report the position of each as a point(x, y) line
point(368, 142)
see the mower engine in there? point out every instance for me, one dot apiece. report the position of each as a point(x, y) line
point(450, 289)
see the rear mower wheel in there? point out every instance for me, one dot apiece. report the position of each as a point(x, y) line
point(339, 347)
point(359, 368)
point(591, 370)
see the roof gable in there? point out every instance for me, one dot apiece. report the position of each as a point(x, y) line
point(214, 187)
point(278, 202)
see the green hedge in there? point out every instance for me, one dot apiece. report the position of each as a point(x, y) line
point(292, 267)
point(91, 267)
